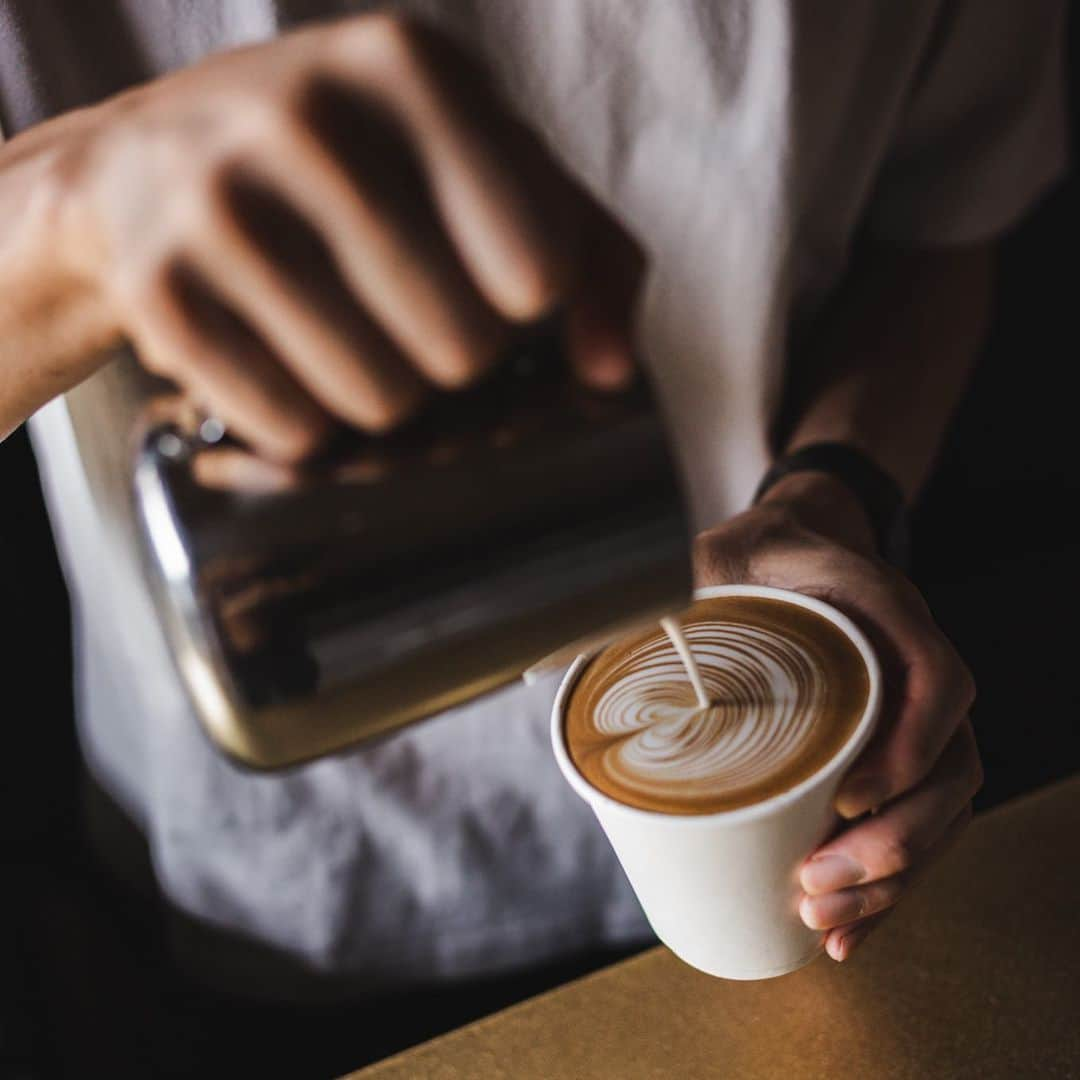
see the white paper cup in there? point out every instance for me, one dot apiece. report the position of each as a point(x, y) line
point(721, 890)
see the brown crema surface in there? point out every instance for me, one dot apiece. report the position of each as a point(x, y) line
point(787, 687)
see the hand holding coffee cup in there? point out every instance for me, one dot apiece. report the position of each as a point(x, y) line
point(712, 810)
point(920, 770)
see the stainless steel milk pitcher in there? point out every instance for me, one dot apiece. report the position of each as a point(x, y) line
point(311, 610)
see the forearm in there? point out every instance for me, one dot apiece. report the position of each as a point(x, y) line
point(887, 364)
point(53, 325)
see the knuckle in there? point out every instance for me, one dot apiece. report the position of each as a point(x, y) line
point(703, 547)
point(210, 204)
point(912, 596)
point(255, 126)
point(897, 854)
point(939, 662)
point(152, 359)
point(263, 118)
point(951, 675)
point(966, 688)
point(977, 775)
point(917, 751)
point(129, 287)
point(882, 894)
point(151, 294)
point(298, 442)
point(387, 41)
point(713, 561)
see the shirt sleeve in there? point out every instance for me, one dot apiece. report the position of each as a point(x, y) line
point(983, 134)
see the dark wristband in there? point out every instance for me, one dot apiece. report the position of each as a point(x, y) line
point(878, 493)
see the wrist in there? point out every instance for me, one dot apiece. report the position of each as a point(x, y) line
point(825, 504)
point(69, 226)
point(72, 216)
point(55, 322)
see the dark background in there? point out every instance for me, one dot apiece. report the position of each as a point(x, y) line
point(996, 554)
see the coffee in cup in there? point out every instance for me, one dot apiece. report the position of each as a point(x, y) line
point(786, 689)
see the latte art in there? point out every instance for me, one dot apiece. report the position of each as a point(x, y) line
point(766, 692)
point(786, 688)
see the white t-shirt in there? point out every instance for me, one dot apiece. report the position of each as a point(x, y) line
point(745, 142)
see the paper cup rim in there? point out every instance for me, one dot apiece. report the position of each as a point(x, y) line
point(775, 803)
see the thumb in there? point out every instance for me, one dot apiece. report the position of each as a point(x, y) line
point(600, 308)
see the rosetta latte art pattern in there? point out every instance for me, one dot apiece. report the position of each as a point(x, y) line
point(767, 692)
point(787, 689)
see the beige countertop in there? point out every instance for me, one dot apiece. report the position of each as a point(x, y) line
point(977, 974)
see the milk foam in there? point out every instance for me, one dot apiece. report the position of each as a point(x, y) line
point(766, 689)
point(787, 688)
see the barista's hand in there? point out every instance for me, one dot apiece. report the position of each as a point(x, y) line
point(909, 794)
point(323, 228)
